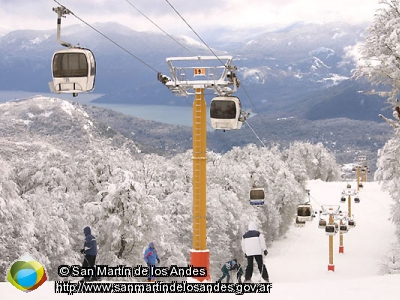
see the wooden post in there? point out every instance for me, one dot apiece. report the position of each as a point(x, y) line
point(331, 266)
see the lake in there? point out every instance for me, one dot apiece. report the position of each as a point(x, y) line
point(177, 115)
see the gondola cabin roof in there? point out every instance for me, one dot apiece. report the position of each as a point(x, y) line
point(225, 112)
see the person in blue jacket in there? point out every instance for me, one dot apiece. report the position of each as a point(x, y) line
point(150, 257)
point(89, 250)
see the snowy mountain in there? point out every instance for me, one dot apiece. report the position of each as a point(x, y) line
point(45, 120)
point(276, 68)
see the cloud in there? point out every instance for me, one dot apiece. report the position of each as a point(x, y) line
point(201, 15)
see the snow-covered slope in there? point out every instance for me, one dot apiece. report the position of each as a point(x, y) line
point(298, 263)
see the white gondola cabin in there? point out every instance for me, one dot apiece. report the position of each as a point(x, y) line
point(343, 228)
point(304, 212)
point(73, 70)
point(322, 223)
point(299, 223)
point(351, 223)
point(226, 113)
point(257, 196)
point(330, 229)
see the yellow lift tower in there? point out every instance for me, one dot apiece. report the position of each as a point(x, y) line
point(191, 76)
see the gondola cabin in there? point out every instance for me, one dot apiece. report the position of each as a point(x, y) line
point(257, 196)
point(73, 70)
point(351, 223)
point(299, 223)
point(322, 223)
point(225, 113)
point(343, 228)
point(330, 229)
point(304, 212)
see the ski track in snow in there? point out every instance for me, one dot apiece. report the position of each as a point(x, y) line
point(298, 262)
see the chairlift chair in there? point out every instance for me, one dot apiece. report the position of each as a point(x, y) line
point(343, 199)
point(304, 212)
point(73, 71)
point(356, 200)
point(226, 113)
point(257, 196)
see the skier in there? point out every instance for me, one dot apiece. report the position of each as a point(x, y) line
point(150, 257)
point(89, 251)
point(253, 246)
point(229, 266)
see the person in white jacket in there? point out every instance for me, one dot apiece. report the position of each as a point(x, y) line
point(253, 246)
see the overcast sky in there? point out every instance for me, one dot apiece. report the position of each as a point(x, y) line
point(200, 14)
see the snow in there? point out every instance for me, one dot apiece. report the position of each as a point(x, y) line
point(298, 263)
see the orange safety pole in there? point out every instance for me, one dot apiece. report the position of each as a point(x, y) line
point(331, 266)
point(199, 255)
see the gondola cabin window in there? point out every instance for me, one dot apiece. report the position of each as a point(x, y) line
point(257, 194)
point(70, 65)
point(304, 211)
point(223, 109)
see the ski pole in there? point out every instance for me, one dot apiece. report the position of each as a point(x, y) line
point(87, 261)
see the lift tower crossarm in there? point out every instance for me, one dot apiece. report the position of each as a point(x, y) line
point(201, 73)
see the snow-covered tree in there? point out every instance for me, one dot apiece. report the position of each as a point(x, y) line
point(308, 161)
point(380, 64)
point(130, 199)
point(380, 55)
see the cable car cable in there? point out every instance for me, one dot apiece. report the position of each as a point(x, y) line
point(255, 134)
point(159, 27)
point(195, 32)
point(115, 43)
point(176, 11)
point(248, 96)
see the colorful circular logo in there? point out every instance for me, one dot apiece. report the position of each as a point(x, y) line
point(26, 274)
